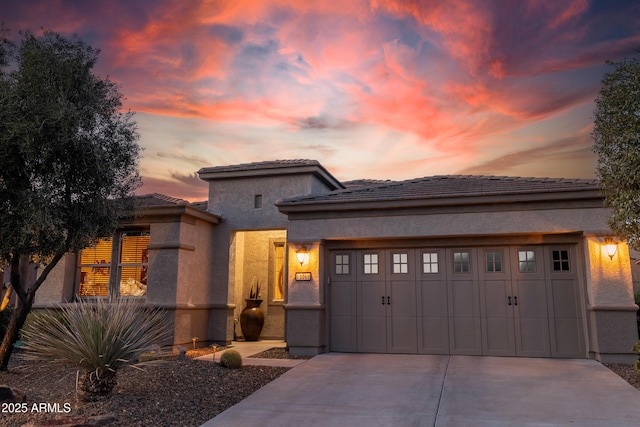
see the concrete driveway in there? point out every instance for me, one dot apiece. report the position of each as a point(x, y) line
point(336, 389)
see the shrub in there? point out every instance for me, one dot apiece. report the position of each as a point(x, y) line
point(96, 337)
point(636, 348)
point(231, 359)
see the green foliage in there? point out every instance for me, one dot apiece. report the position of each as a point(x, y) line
point(67, 154)
point(97, 337)
point(636, 348)
point(66, 149)
point(617, 143)
point(231, 359)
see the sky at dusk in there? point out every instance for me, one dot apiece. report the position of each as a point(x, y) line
point(372, 89)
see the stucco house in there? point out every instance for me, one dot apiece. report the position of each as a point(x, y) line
point(473, 265)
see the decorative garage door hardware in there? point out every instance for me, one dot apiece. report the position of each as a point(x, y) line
point(388, 300)
point(515, 300)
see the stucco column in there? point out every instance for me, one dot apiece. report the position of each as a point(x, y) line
point(611, 307)
point(305, 308)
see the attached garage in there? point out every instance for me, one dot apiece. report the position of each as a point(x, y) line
point(460, 265)
point(493, 300)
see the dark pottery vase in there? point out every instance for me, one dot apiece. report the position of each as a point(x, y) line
point(252, 320)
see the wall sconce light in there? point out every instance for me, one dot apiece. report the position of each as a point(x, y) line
point(302, 255)
point(610, 247)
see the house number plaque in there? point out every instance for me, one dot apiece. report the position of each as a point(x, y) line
point(303, 277)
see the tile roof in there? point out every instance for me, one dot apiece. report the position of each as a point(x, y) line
point(446, 186)
point(366, 182)
point(270, 164)
point(157, 199)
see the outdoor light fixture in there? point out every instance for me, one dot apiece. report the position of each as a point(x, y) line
point(302, 255)
point(611, 247)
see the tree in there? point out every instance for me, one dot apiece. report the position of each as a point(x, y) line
point(68, 160)
point(617, 142)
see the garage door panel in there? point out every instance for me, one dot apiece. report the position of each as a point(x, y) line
point(433, 335)
point(498, 340)
point(464, 301)
point(402, 298)
point(532, 298)
point(343, 334)
point(532, 337)
point(495, 298)
point(371, 300)
point(433, 317)
point(372, 334)
point(371, 315)
point(497, 318)
point(498, 301)
point(464, 336)
point(567, 338)
point(564, 298)
point(402, 335)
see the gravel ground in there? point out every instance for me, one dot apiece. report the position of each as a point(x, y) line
point(626, 372)
point(171, 393)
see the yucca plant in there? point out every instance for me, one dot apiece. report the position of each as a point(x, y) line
point(96, 337)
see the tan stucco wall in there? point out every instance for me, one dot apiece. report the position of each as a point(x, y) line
point(450, 224)
point(607, 283)
point(232, 199)
point(180, 278)
point(611, 308)
point(59, 286)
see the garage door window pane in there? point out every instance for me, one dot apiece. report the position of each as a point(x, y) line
point(430, 263)
point(342, 264)
point(526, 261)
point(494, 262)
point(370, 263)
point(400, 264)
point(560, 260)
point(461, 262)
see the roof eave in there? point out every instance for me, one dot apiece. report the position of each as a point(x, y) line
point(340, 205)
point(155, 212)
point(317, 170)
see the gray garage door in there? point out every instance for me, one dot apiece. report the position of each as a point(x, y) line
point(497, 301)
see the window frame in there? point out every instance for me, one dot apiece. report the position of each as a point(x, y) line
point(115, 266)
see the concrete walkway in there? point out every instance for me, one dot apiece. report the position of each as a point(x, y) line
point(250, 348)
point(337, 389)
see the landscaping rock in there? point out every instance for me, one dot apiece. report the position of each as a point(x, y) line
point(98, 420)
point(8, 394)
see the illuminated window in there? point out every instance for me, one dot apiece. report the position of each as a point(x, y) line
point(95, 269)
point(278, 271)
point(430, 262)
point(342, 264)
point(494, 262)
point(461, 262)
point(370, 263)
point(526, 261)
point(400, 264)
point(98, 271)
point(134, 263)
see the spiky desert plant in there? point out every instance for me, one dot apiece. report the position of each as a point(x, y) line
point(96, 337)
point(231, 359)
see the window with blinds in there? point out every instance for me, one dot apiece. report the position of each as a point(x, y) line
point(95, 269)
point(128, 269)
point(134, 262)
